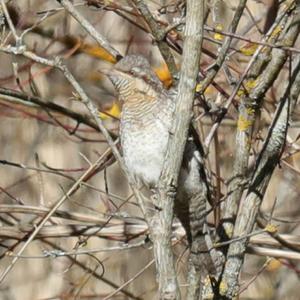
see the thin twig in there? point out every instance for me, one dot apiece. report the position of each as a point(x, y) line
point(90, 29)
point(47, 217)
point(159, 35)
point(130, 280)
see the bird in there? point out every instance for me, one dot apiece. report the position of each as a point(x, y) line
point(145, 128)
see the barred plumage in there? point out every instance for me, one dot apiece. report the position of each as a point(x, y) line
point(145, 127)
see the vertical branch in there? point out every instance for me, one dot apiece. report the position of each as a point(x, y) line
point(162, 221)
point(246, 218)
point(262, 77)
point(267, 161)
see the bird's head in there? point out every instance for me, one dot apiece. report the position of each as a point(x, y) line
point(133, 73)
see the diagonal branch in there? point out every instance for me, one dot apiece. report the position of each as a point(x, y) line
point(159, 34)
point(259, 58)
point(224, 49)
point(18, 97)
point(262, 77)
point(90, 29)
point(57, 63)
point(47, 217)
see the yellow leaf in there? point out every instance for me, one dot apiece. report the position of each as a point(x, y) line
point(98, 52)
point(164, 75)
point(198, 87)
point(249, 49)
point(274, 265)
point(223, 288)
point(208, 284)
point(113, 112)
point(271, 228)
point(240, 92)
point(229, 230)
point(250, 111)
point(218, 36)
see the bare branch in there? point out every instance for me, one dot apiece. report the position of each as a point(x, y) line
point(162, 221)
point(267, 161)
point(90, 29)
point(18, 97)
point(210, 75)
point(160, 35)
point(47, 217)
point(250, 104)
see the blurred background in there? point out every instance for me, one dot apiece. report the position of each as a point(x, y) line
point(45, 150)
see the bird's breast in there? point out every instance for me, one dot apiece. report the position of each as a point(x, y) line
point(144, 146)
